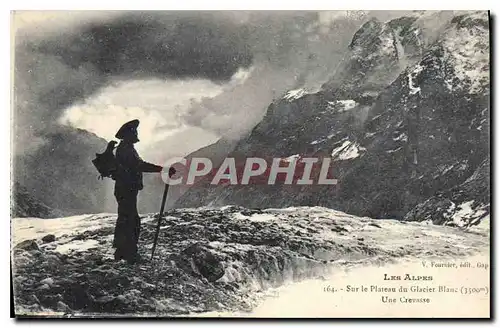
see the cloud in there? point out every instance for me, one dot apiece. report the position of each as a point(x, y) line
point(72, 60)
point(290, 50)
point(157, 45)
point(158, 105)
point(76, 58)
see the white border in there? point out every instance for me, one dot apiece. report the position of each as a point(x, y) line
point(191, 5)
point(253, 5)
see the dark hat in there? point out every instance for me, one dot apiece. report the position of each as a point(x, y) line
point(128, 130)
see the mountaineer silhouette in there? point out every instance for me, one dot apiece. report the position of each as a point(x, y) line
point(128, 177)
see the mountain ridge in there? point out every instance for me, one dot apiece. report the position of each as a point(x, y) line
point(434, 115)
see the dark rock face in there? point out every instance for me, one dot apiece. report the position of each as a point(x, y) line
point(25, 205)
point(405, 118)
point(60, 175)
point(200, 260)
point(463, 205)
point(377, 53)
point(28, 245)
point(48, 238)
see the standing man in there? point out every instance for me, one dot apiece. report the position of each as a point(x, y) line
point(128, 183)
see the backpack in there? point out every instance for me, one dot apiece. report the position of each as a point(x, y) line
point(105, 163)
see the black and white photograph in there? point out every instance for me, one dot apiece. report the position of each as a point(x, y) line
point(250, 164)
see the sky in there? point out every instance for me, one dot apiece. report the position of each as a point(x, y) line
point(189, 77)
point(158, 104)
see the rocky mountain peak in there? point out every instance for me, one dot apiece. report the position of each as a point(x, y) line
point(466, 51)
point(400, 129)
point(367, 34)
point(24, 204)
point(376, 55)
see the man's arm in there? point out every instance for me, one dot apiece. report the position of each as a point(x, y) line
point(135, 162)
point(129, 158)
point(148, 167)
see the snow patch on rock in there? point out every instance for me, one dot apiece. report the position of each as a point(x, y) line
point(255, 217)
point(414, 89)
point(77, 246)
point(394, 150)
point(467, 51)
point(317, 141)
point(320, 140)
point(348, 150)
point(401, 137)
point(370, 134)
point(466, 214)
point(342, 105)
point(33, 228)
point(291, 158)
point(295, 94)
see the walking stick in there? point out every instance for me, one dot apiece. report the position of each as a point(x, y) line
point(165, 191)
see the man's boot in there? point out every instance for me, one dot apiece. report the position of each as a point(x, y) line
point(118, 255)
point(136, 258)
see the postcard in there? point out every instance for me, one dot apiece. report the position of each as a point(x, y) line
point(251, 164)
